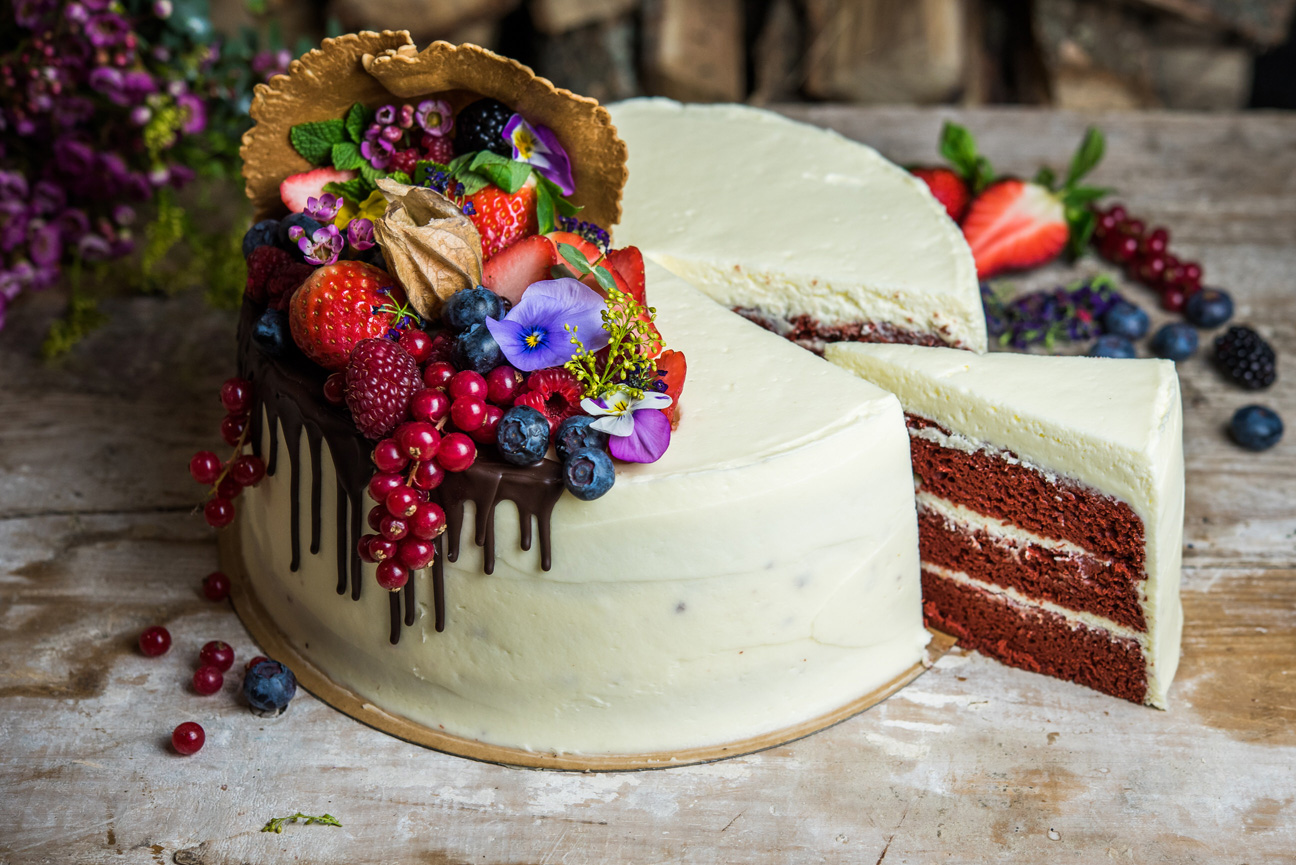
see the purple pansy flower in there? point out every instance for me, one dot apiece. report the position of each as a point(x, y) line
point(638, 431)
point(533, 335)
point(434, 117)
point(360, 234)
point(538, 146)
point(322, 247)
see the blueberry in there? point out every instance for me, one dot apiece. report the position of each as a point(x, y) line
point(1175, 341)
point(477, 350)
point(575, 433)
point(522, 435)
point(1111, 345)
point(1127, 320)
point(271, 334)
point(1256, 428)
point(471, 306)
point(372, 256)
point(269, 686)
point(1209, 307)
point(588, 473)
point(286, 243)
point(264, 233)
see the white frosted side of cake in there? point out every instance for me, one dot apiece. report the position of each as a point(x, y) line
point(1113, 424)
point(763, 573)
point(762, 212)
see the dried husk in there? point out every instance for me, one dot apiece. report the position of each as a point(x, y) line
point(430, 246)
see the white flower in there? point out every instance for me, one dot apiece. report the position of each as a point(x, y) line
point(615, 412)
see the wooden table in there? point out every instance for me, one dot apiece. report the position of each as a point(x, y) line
point(975, 762)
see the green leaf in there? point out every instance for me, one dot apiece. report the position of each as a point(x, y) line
point(356, 121)
point(368, 172)
point(545, 208)
point(355, 190)
point(425, 168)
point(1088, 155)
point(460, 163)
point(604, 277)
point(1082, 195)
point(1082, 227)
point(314, 141)
point(346, 157)
point(400, 177)
point(472, 183)
point(561, 271)
point(575, 258)
point(959, 149)
point(1045, 177)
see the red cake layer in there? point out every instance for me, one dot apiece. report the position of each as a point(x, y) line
point(1025, 497)
point(1034, 639)
point(810, 333)
point(1078, 582)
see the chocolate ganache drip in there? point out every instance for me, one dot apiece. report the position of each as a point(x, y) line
point(289, 396)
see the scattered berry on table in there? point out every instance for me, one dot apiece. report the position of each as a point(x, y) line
point(269, 686)
point(471, 306)
point(1112, 345)
point(216, 586)
point(1175, 341)
point(523, 435)
point(949, 188)
point(1256, 427)
point(1127, 320)
point(1209, 307)
point(218, 654)
point(271, 334)
point(1246, 358)
point(480, 126)
point(253, 661)
point(575, 433)
point(380, 379)
point(208, 679)
point(155, 641)
point(188, 738)
point(588, 473)
point(263, 233)
point(476, 349)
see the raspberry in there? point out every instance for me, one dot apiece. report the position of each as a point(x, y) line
point(1246, 358)
point(404, 160)
point(265, 263)
point(554, 393)
point(380, 378)
point(438, 148)
point(280, 288)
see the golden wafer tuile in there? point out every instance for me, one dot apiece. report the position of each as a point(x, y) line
point(377, 68)
point(430, 246)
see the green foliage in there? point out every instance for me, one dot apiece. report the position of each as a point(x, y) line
point(314, 141)
point(276, 824)
point(82, 316)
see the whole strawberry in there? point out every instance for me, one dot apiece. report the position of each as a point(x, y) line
point(380, 379)
point(948, 187)
point(503, 219)
point(341, 304)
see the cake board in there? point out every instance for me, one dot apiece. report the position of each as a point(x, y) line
point(271, 640)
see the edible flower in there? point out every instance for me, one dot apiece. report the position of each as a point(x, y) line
point(372, 208)
point(322, 247)
point(324, 208)
point(537, 332)
point(538, 147)
point(435, 117)
point(639, 432)
point(360, 234)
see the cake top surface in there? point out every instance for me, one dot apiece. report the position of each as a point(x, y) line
point(803, 209)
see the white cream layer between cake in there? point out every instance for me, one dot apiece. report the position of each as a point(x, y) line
point(764, 213)
point(763, 573)
point(1113, 424)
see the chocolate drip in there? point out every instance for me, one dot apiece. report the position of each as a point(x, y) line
point(289, 393)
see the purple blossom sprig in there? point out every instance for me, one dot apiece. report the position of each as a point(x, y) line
point(323, 246)
point(1071, 313)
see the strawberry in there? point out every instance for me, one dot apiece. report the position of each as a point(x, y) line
point(671, 369)
point(950, 189)
point(294, 190)
point(628, 262)
point(512, 270)
point(1015, 224)
point(503, 219)
point(339, 305)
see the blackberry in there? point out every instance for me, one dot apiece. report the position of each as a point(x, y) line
point(480, 126)
point(1246, 358)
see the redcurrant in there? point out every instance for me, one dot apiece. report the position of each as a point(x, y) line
point(205, 467)
point(155, 641)
point(188, 738)
point(457, 452)
point(216, 586)
point(218, 654)
point(207, 680)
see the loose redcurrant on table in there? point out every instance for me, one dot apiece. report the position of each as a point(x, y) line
point(155, 641)
point(188, 738)
point(207, 680)
point(216, 586)
point(218, 654)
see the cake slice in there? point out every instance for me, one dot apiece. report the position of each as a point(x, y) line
point(1050, 507)
point(810, 234)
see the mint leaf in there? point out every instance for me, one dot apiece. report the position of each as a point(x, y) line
point(355, 190)
point(400, 177)
point(1087, 156)
point(471, 183)
point(566, 208)
point(346, 157)
point(314, 141)
point(507, 174)
point(368, 172)
point(425, 168)
point(561, 271)
point(356, 121)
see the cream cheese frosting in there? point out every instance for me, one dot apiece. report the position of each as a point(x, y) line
point(763, 573)
point(761, 212)
point(1113, 424)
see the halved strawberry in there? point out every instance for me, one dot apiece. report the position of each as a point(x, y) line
point(502, 218)
point(512, 269)
point(672, 368)
point(628, 262)
point(949, 188)
point(295, 189)
point(1015, 224)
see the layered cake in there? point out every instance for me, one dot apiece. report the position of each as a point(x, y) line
point(696, 535)
point(812, 235)
point(1050, 507)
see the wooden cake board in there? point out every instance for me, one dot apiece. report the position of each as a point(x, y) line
point(272, 641)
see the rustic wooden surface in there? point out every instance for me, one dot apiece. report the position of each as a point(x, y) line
point(973, 763)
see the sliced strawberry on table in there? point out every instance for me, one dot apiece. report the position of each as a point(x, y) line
point(503, 218)
point(1016, 224)
point(628, 262)
point(511, 270)
point(954, 187)
point(341, 304)
point(297, 188)
point(672, 368)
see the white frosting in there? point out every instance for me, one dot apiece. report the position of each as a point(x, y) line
point(1113, 424)
point(761, 212)
point(762, 573)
